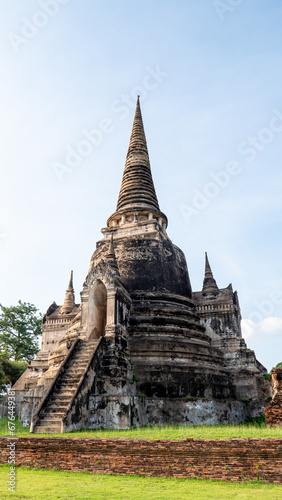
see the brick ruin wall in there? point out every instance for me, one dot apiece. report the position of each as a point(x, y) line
point(228, 460)
point(273, 413)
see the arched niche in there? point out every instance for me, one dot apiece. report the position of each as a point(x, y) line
point(97, 311)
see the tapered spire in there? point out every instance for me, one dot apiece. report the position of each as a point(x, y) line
point(137, 192)
point(69, 301)
point(209, 285)
point(71, 281)
point(137, 188)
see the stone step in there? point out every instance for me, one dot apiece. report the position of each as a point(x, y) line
point(75, 370)
point(81, 360)
point(47, 429)
point(48, 417)
point(56, 398)
point(82, 353)
point(65, 387)
point(69, 380)
point(74, 366)
point(54, 405)
point(64, 396)
point(78, 364)
point(67, 394)
point(88, 349)
point(54, 409)
point(68, 385)
point(71, 376)
point(57, 404)
point(81, 357)
point(88, 345)
point(54, 414)
point(50, 422)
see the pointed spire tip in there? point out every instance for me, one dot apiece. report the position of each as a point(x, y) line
point(209, 284)
point(69, 302)
point(71, 280)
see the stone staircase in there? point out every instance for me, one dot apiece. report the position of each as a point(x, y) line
point(59, 398)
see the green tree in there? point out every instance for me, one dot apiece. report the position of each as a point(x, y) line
point(10, 371)
point(20, 327)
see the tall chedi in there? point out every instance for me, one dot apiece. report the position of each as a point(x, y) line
point(170, 351)
point(140, 345)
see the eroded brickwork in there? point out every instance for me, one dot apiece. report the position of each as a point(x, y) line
point(159, 341)
point(229, 460)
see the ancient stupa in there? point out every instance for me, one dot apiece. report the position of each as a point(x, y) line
point(141, 348)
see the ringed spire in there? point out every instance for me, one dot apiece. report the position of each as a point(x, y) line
point(137, 193)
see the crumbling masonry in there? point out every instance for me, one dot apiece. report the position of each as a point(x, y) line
point(141, 348)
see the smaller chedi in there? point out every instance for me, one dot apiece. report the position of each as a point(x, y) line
point(141, 347)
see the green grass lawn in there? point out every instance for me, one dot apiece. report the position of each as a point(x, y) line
point(38, 484)
point(241, 431)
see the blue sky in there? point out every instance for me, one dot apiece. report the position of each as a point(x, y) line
point(209, 74)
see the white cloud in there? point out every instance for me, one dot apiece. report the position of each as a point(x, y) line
point(270, 326)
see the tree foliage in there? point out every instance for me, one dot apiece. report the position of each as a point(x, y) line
point(279, 365)
point(20, 327)
point(10, 371)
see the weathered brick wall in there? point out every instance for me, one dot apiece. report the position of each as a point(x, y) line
point(273, 413)
point(231, 460)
